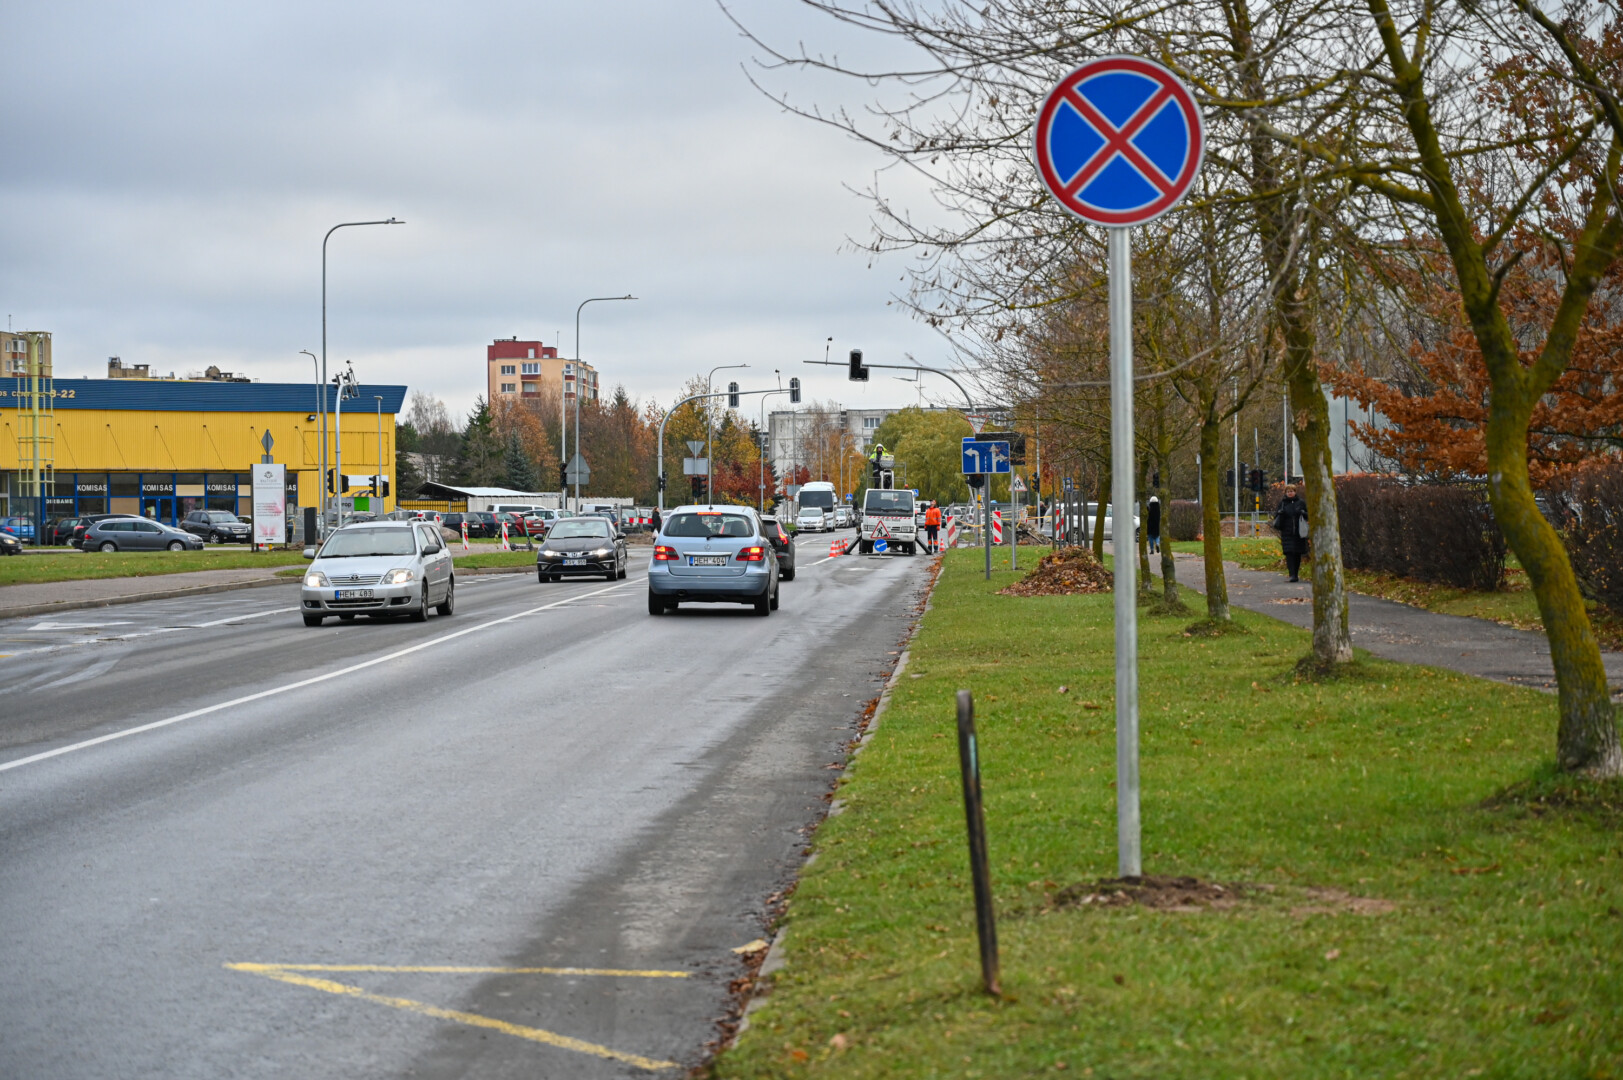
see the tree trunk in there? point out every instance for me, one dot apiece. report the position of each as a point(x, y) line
point(1145, 582)
point(1099, 514)
point(1332, 638)
point(1169, 566)
point(1211, 520)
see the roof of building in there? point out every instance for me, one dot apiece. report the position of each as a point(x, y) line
point(167, 395)
point(480, 492)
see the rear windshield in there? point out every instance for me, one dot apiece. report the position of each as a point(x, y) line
point(357, 542)
point(888, 502)
point(574, 528)
point(707, 523)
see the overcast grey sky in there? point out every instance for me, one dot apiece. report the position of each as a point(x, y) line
point(171, 168)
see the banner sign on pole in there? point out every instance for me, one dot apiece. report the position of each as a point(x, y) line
point(270, 504)
point(1119, 143)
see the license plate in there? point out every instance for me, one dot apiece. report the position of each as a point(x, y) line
point(574, 562)
point(707, 560)
point(352, 594)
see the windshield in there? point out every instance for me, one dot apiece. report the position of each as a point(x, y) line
point(567, 530)
point(354, 543)
point(888, 502)
point(709, 524)
point(822, 499)
point(811, 511)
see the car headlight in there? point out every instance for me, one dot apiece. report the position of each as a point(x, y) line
point(315, 579)
point(399, 577)
point(602, 553)
point(548, 554)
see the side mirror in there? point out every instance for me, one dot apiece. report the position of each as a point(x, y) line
point(620, 535)
point(309, 553)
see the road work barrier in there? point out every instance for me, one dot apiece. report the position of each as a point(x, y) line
point(997, 526)
point(464, 535)
point(506, 544)
point(950, 532)
point(836, 548)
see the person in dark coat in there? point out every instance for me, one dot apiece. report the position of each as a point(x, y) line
point(1152, 527)
point(1290, 521)
point(656, 522)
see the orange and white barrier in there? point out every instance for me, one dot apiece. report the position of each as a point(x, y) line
point(949, 532)
point(506, 544)
point(997, 526)
point(464, 535)
point(836, 548)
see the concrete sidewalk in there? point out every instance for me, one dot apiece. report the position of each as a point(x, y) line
point(1396, 631)
point(27, 600)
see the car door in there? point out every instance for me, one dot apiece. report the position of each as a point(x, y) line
point(436, 563)
point(146, 536)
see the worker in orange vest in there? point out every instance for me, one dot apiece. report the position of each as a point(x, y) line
point(932, 526)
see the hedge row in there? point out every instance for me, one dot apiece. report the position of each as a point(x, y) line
point(1443, 534)
point(1182, 519)
point(1591, 517)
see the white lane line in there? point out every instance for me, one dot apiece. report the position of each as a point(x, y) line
point(313, 680)
point(234, 618)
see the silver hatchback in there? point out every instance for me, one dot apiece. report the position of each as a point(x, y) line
point(379, 568)
point(712, 554)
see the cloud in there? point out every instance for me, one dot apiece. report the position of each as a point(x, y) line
point(173, 168)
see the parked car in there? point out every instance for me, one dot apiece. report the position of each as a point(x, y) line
point(516, 527)
point(811, 519)
point(783, 544)
point(537, 522)
point(712, 554)
point(216, 526)
point(138, 534)
point(77, 539)
point(582, 545)
point(21, 526)
point(60, 531)
point(380, 568)
point(10, 545)
point(476, 525)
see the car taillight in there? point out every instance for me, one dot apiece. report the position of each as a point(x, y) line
point(752, 554)
point(662, 553)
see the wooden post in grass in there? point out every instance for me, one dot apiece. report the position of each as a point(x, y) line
point(970, 766)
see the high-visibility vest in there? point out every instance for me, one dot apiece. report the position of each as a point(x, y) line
point(932, 516)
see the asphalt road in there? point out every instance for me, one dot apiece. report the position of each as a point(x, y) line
point(521, 841)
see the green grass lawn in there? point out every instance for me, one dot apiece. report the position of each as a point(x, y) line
point(1496, 933)
point(79, 566)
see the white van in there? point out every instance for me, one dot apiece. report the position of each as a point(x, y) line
point(517, 508)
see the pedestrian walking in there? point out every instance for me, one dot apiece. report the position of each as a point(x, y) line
point(1290, 521)
point(1153, 525)
point(656, 521)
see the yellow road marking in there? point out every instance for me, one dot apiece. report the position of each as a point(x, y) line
point(539, 1035)
point(437, 969)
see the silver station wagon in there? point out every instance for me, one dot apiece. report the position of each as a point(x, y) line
point(379, 568)
point(712, 554)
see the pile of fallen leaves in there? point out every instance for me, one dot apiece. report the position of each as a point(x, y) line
point(1064, 572)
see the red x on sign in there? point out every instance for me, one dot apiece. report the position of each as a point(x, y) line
point(1119, 141)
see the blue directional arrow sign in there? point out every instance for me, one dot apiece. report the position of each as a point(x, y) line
point(985, 457)
point(1119, 141)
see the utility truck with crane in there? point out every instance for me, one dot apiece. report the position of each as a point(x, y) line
point(887, 511)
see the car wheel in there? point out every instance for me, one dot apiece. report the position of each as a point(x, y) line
point(775, 598)
point(216, 538)
point(312, 620)
point(108, 546)
point(787, 575)
point(656, 604)
point(448, 605)
point(763, 606)
point(612, 575)
point(176, 545)
point(540, 577)
point(421, 614)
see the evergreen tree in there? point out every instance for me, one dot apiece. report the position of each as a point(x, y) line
point(519, 470)
point(479, 459)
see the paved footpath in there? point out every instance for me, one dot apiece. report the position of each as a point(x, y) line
point(1399, 632)
point(42, 599)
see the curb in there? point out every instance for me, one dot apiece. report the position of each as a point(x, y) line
point(27, 610)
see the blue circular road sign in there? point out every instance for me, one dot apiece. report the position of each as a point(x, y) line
point(1119, 141)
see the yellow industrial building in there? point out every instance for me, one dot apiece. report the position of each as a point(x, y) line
point(162, 448)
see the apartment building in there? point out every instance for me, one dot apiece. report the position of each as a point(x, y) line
point(515, 370)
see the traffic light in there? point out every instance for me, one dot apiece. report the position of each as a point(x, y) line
point(380, 486)
point(1155, 479)
point(662, 481)
point(794, 391)
point(858, 373)
point(329, 482)
point(975, 480)
point(1258, 480)
point(732, 395)
point(1228, 480)
point(563, 475)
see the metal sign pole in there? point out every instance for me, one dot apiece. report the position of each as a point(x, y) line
point(986, 521)
point(1129, 861)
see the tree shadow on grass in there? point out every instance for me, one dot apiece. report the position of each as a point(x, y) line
point(1550, 791)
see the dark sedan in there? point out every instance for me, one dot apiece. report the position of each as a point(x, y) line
point(216, 526)
point(783, 544)
point(582, 545)
point(10, 545)
point(477, 527)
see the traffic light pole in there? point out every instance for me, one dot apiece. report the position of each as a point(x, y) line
point(905, 367)
point(660, 478)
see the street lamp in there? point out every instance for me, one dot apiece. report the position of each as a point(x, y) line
point(710, 434)
point(324, 239)
point(377, 479)
point(583, 303)
point(760, 483)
